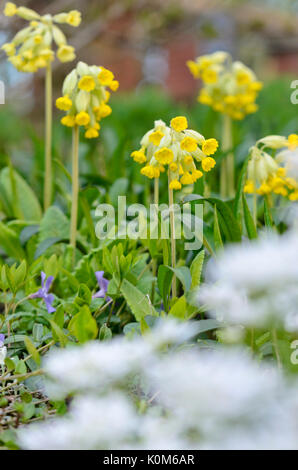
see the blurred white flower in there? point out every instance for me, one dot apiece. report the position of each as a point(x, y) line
point(92, 423)
point(170, 398)
point(255, 283)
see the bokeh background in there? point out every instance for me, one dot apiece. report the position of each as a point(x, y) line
point(146, 43)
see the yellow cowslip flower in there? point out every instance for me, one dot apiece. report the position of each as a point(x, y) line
point(9, 49)
point(106, 77)
point(66, 53)
point(186, 178)
point(208, 163)
point(91, 133)
point(150, 171)
point(156, 137)
point(31, 48)
point(228, 87)
point(249, 187)
point(175, 184)
point(189, 144)
point(188, 160)
point(179, 148)
point(68, 121)
point(74, 18)
point(194, 68)
point(179, 123)
point(196, 174)
point(114, 85)
point(164, 156)
point(87, 83)
point(293, 141)
point(264, 175)
point(210, 146)
point(294, 195)
point(10, 9)
point(173, 166)
point(139, 156)
point(84, 99)
point(209, 76)
point(102, 111)
point(264, 189)
point(82, 119)
point(64, 103)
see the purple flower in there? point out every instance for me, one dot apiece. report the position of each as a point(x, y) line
point(2, 338)
point(43, 292)
point(103, 286)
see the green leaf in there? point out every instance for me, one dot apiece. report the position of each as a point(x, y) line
point(45, 244)
point(21, 367)
point(10, 243)
point(207, 325)
point(20, 274)
point(58, 334)
point(228, 222)
point(105, 333)
point(249, 223)
point(178, 310)
point(83, 326)
point(58, 316)
point(17, 197)
point(138, 302)
point(184, 276)
point(216, 232)
point(50, 266)
point(54, 224)
point(196, 269)
point(164, 280)
point(32, 350)
point(196, 272)
point(84, 296)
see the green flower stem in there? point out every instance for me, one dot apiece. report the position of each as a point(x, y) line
point(173, 240)
point(154, 261)
point(227, 166)
point(156, 190)
point(48, 139)
point(75, 186)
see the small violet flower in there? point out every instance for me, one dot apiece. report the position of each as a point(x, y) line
point(3, 349)
point(103, 286)
point(43, 292)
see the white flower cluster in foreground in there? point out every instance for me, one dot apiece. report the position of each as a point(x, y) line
point(144, 394)
point(255, 284)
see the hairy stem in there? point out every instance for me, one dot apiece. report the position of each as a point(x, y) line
point(75, 186)
point(48, 139)
point(173, 240)
point(154, 261)
point(227, 168)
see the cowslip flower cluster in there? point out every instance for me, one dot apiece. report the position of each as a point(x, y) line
point(228, 87)
point(31, 48)
point(255, 284)
point(266, 174)
point(85, 97)
point(179, 148)
point(147, 393)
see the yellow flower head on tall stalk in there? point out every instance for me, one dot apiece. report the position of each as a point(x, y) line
point(272, 174)
point(85, 97)
point(179, 148)
point(32, 47)
point(228, 87)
